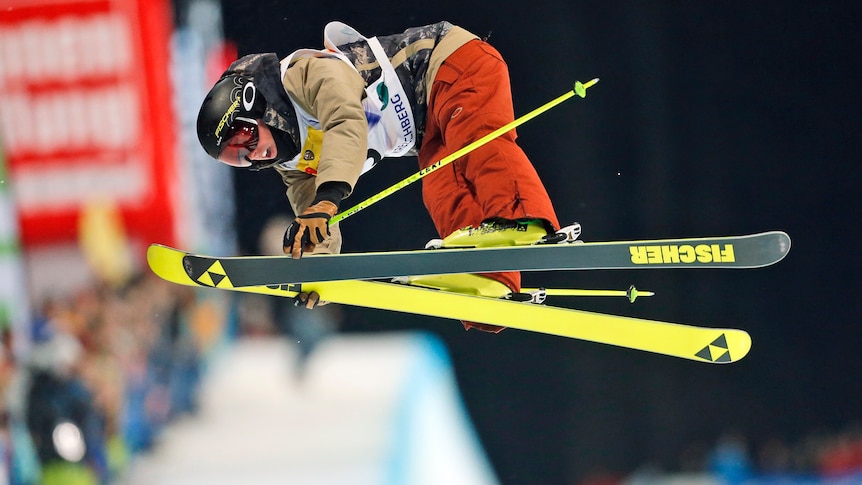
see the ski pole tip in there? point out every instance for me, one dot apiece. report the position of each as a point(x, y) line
point(633, 293)
point(581, 88)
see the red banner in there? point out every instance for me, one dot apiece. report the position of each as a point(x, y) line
point(86, 114)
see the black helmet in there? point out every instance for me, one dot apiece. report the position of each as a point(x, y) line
point(234, 102)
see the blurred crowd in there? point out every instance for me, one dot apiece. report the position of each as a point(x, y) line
point(822, 454)
point(822, 457)
point(105, 371)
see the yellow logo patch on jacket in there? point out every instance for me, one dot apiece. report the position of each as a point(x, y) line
point(309, 158)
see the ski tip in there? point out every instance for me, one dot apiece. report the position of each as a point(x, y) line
point(167, 263)
point(784, 242)
point(775, 247)
point(729, 346)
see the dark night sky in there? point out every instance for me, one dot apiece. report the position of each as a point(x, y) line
point(709, 120)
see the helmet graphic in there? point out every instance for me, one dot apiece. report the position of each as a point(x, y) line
point(227, 121)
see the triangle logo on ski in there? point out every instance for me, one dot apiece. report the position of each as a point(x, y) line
point(214, 276)
point(717, 351)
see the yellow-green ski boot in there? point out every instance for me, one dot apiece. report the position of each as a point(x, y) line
point(506, 232)
point(464, 283)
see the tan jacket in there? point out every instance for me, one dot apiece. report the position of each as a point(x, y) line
point(332, 91)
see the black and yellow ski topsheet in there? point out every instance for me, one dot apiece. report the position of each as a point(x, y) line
point(735, 252)
point(711, 345)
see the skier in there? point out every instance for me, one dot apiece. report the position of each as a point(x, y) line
point(322, 118)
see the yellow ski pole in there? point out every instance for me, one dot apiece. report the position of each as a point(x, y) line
point(580, 89)
point(632, 293)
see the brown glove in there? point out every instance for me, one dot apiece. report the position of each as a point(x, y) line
point(308, 300)
point(309, 228)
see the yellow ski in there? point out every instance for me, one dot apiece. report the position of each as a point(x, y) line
point(710, 345)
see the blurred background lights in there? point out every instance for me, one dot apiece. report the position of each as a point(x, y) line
point(69, 442)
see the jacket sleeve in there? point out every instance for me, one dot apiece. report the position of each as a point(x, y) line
point(332, 91)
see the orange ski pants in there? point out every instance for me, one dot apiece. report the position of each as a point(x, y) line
point(471, 97)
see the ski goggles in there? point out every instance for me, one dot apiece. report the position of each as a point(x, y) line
point(242, 140)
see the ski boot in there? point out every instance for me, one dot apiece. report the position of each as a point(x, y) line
point(492, 233)
point(475, 285)
point(463, 283)
point(505, 232)
point(466, 284)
